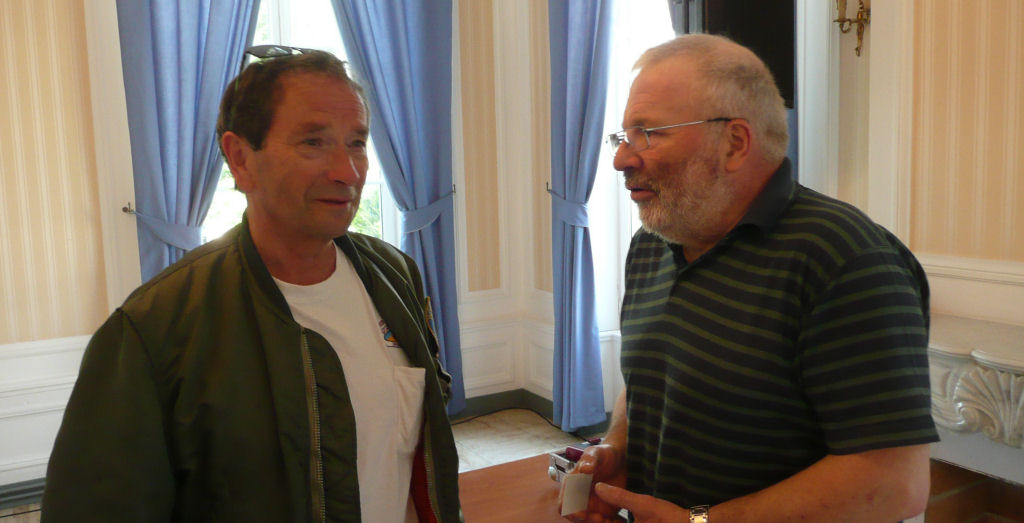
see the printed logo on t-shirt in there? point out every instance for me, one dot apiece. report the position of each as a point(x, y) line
point(390, 341)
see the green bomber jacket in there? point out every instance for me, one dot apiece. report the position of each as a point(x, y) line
point(201, 399)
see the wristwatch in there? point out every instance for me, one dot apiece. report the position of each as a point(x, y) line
point(699, 514)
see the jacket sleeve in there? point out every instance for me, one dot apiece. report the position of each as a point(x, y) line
point(110, 461)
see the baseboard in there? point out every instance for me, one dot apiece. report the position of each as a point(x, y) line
point(520, 399)
point(23, 493)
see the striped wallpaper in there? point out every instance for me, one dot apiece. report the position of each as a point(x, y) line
point(476, 34)
point(51, 266)
point(968, 129)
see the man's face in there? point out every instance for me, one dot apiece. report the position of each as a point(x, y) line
point(677, 182)
point(305, 183)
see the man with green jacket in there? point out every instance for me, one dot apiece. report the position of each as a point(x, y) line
point(285, 372)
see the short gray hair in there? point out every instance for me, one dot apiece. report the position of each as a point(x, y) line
point(735, 82)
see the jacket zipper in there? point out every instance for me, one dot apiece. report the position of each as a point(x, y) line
point(319, 504)
point(428, 465)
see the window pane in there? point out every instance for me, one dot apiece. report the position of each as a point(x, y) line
point(226, 208)
point(368, 219)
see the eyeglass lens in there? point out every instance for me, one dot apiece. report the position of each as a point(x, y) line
point(635, 139)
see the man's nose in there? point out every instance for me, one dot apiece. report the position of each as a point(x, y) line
point(626, 158)
point(343, 168)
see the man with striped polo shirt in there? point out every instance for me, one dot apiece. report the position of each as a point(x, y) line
point(773, 338)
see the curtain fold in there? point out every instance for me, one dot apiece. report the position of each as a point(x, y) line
point(580, 46)
point(177, 58)
point(402, 51)
point(677, 10)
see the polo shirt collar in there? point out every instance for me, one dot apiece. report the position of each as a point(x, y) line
point(763, 213)
point(773, 200)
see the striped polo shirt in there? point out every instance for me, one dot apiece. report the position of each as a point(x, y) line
point(802, 333)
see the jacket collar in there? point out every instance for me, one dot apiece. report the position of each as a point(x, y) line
point(264, 280)
point(392, 303)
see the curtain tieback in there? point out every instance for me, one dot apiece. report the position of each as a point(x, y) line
point(568, 211)
point(416, 219)
point(185, 237)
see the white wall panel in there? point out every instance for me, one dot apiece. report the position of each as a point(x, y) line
point(35, 382)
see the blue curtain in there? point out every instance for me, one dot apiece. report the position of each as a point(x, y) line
point(402, 50)
point(177, 56)
point(579, 35)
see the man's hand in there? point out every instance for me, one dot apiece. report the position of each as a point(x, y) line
point(645, 509)
point(608, 465)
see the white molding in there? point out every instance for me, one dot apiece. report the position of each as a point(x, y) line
point(33, 410)
point(990, 271)
point(10, 467)
point(36, 380)
point(817, 51)
point(13, 389)
point(37, 377)
point(989, 290)
point(890, 51)
point(502, 371)
point(41, 347)
point(39, 368)
point(486, 344)
point(977, 377)
point(458, 164)
point(539, 345)
point(483, 329)
point(113, 151)
point(486, 306)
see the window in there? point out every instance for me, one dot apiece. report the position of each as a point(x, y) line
point(311, 24)
point(637, 26)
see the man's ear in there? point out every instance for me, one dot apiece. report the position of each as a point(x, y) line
point(238, 154)
point(738, 138)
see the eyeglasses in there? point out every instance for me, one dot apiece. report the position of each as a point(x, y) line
point(638, 138)
point(261, 52)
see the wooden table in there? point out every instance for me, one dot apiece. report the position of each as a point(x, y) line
point(510, 492)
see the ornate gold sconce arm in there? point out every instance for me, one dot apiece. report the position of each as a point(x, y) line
point(863, 18)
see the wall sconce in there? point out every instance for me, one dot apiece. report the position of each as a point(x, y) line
point(863, 18)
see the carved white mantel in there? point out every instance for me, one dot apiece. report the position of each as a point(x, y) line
point(977, 378)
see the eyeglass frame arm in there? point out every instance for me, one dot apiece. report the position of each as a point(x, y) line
point(620, 136)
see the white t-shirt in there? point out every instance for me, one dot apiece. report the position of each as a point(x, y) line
point(386, 392)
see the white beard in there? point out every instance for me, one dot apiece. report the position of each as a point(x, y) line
point(689, 203)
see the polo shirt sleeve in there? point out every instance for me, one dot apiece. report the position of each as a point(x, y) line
point(864, 365)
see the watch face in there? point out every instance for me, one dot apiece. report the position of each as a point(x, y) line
point(699, 514)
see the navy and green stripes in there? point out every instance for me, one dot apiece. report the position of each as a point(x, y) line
point(802, 333)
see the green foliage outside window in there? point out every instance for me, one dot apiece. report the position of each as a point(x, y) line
point(367, 220)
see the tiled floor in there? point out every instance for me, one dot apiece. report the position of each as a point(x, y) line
point(483, 441)
point(505, 436)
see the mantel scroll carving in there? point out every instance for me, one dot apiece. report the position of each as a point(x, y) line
point(970, 396)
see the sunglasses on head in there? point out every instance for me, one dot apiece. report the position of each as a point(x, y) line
point(263, 52)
